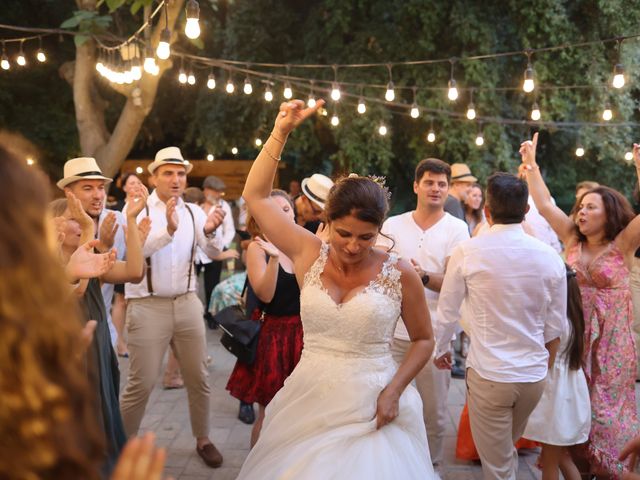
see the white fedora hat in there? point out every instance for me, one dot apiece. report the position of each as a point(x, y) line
point(169, 156)
point(316, 188)
point(82, 168)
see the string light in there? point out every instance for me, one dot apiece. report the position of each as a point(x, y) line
point(628, 156)
point(452, 93)
point(248, 88)
point(471, 109)
point(21, 60)
point(287, 92)
point(415, 111)
point(607, 113)
point(191, 78)
point(210, 157)
point(431, 136)
point(139, 170)
point(234, 151)
point(311, 101)
point(618, 71)
point(4, 61)
point(149, 62)
point(230, 87)
point(211, 81)
point(579, 151)
point(192, 27)
point(335, 121)
point(268, 94)
point(382, 130)
point(30, 161)
point(480, 138)
point(528, 85)
point(362, 108)
point(182, 76)
point(335, 88)
point(535, 112)
point(40, 56)
point(390, 94)
point(164, 48)
point(258, 142)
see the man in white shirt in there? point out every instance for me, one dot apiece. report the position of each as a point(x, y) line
point(515, 300)
point(164, 308)
point(426, 236)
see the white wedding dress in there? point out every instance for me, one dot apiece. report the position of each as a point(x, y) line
point(321, 425)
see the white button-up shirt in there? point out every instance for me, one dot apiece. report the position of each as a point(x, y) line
point(515, 292)
point(171, 256)
point(430, 248)
point(226, 231)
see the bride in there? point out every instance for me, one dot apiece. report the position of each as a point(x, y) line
point(347, 411)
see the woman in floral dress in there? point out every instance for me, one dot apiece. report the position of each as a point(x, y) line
point(600, 243)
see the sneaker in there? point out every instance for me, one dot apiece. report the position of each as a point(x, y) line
point(246, 413)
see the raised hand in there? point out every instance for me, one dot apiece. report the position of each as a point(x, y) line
point(107, 233)
point(77, 212)
point(172, 216)
point(144, 227)
point(292, 114)
point(387, 408)
point(528, 151)
point(268, 247)
point(83, 263)
point(140, 460)
point(138, 203)
point(214, 219)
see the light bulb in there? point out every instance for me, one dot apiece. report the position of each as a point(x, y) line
point(182, 77)
point(191, 79)
point(211, 82)
point(431, 136)
point(248, 88)
point(164, 49)
point(41, 56)
point(230, 87)
point(415, 111)
point(528, 85)
point(210, 157)
point(452, 94)
point(390, 94)
point(128, 77)
point(258, 142)
point(362, 108)
point(335, 92)
point(30, 161)
point(100, 67)
point(287, 92)
point(21, 60)
point(335, 121)
point(136, 72)
point(311, 101)
point(579, 151)
point(607, 114)
point(471, 111)
point(156, 71)
point(192, 28)
point(139, 170)
point(149, 65)
point(628, 156)
point(268, 94)
point(535, 112)
point(618, 76)
point(4, 63)
point(382, 130)
point(234, 151)
point(480, 140)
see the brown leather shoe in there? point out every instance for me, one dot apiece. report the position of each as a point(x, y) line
point(210, 454)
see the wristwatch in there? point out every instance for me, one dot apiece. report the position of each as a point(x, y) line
point(425, 279)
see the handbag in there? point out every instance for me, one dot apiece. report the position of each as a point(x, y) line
point(239, 334)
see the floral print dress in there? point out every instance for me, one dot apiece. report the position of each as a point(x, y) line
point(610, 358)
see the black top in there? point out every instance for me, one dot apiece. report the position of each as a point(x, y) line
point(286, 298)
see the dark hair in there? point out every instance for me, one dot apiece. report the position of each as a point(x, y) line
point(617, 210)
point(252, 226)
point(126, 176)
point(475, 213)
point(507, 197)
point(575, 345)
point(432, 165)
point(193, 195)
point(361, 197)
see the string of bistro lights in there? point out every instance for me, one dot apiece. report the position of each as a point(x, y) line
point(124, 62)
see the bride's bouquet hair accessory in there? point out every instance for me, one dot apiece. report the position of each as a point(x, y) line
point(378, 180)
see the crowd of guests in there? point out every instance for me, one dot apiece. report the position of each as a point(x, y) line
point(531, 305)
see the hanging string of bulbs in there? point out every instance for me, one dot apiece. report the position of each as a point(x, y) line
point(21, 56)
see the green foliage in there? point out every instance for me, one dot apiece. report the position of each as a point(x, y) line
point(88, 23)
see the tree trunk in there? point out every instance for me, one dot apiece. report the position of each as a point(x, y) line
point(111, 149)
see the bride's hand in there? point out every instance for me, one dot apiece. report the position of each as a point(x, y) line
point(387, 408)
point(291, 115)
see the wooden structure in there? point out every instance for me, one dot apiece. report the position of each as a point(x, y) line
point(232, 172)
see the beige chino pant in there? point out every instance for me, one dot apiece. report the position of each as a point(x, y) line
point(154, 323)
point(498, 413)
point(433, 386)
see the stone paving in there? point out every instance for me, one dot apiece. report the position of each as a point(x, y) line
point(168, 416)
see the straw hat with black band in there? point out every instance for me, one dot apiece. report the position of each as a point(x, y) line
point(81, 168)
point(169, 156)
point(460, 172)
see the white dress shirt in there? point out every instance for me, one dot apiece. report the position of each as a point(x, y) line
point(171, 255)
point(430, 248)
point(515, 292)
point(541, 228)
point(227, 232)
point(121, 248)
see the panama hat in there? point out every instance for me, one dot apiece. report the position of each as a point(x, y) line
point(169, 156)
point(460, 173)
point(82, 168)
point(316, 188)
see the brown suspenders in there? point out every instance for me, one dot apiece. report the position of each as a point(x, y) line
point(193, 253)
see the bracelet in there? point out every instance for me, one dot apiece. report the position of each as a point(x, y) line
point(281, 142)
point(264, 147)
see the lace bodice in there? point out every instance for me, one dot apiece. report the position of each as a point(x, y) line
point(360, 327)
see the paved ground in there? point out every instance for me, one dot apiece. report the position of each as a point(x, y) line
point(167, 415)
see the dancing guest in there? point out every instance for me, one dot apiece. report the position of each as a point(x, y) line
point(164, 308)
point(505, 379)
point(600, 244)
point(473, 206)
point(426, 236)
point(347, 410)
point(272, 280)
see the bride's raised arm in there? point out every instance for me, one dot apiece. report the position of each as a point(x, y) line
point(293, 240)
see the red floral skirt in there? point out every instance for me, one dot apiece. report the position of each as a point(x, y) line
point(278, 353)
